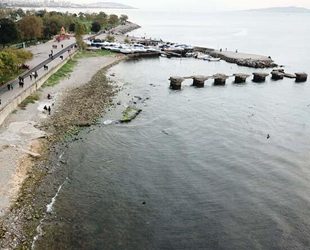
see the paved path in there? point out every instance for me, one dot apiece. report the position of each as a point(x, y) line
point(40, 58)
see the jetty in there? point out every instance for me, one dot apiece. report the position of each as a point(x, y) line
point(220, 78)
point(241, 59)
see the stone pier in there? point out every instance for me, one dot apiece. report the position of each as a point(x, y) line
point(240, 78)
point(277, 75)
point(199, 81)
point(220, 79)
point(176, 82)
point(301, 77)
point(259, 77)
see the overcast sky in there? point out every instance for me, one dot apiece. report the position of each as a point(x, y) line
point(205, 5)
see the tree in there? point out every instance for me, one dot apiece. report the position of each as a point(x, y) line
point(81, 15)
point(9, 61)
point(113, 19)
point(79, 32)
point(127, 41)
point(95, 26)
point(123, 18)
point(8, 31)
point(102, 14)
point(72, 27)
point(110, 38)
point(31, 27)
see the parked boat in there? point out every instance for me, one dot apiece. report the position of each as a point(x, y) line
point(212, 59)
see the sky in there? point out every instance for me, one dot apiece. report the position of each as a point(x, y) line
point(205, 5)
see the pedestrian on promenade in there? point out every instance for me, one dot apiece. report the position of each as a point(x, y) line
point(62, 46)
point(49, 110)
point(12, 86)
point(51, 52)
point(30, 77)
point(9, 87)
point(35, 75)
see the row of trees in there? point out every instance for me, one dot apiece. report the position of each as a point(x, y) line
point(17, 25)
point(10, 59)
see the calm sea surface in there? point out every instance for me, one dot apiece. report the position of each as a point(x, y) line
point(195, 169)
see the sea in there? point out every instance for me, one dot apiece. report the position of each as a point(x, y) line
point(219, 167)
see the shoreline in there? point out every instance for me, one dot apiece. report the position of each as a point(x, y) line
point(65, 122)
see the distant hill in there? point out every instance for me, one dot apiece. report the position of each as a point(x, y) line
point(291, 9)
point(108, 5)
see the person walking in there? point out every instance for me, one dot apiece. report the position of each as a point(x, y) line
point(49, 110)
point(9, 87)
point(30, 77)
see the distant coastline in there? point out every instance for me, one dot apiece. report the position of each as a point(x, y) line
point(103, 5)
point(290, 9)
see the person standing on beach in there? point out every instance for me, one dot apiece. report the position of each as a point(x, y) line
point(49, 110)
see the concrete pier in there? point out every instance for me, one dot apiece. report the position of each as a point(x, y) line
point(288, 75)
point(259, 77)
point(176, 82)
point(301, 77)
point(240, 78)
point(199, 81)
point(277, 75)
point(220, 79)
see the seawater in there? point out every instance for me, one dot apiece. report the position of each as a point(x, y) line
point(195, 169)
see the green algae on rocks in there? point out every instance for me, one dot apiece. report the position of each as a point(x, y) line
point(129, 114)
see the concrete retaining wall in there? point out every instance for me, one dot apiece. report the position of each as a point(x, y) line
point(12, 105)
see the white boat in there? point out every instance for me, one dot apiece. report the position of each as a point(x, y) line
point(126, 51)
point(212, 59)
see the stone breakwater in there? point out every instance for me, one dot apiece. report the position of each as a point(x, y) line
point(246, 61)
point(123, 29)
point(241, 59)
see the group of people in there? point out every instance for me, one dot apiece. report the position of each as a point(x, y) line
point(48, 109)
point(21, 81)
point(34, 75)
point(10, 87)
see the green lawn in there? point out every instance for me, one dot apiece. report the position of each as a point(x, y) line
point(97, 53)
point(62, 73)
point(30, 99)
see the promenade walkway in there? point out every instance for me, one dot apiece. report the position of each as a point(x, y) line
point(41, 53)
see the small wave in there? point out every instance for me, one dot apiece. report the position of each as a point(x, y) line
point(242, 32)
point(49, 208)
point(109, 122)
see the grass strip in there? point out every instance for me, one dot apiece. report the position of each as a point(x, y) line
point(62, 73)
point(30, 99)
